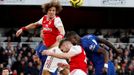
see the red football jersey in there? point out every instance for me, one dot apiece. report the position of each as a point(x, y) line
point(50, 32)
point(79, 62)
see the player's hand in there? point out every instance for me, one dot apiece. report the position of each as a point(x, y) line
point(63, 65)
point(19, 32)
point(104, 70)
point(59, 37)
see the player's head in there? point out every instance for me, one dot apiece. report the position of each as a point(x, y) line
point(65, 45)
point(52, 8)
point(73, 37)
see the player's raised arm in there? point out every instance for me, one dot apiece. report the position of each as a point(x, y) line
point(109, 45)
point(28, 27)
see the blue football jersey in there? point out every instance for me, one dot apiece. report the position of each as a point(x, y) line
point(91, 45)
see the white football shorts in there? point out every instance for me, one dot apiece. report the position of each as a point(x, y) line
point(51, 62)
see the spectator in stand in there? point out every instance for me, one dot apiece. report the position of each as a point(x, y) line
point(97, 32)
point(29, 39)
point(8, 39)
point(31, 70)
point(131, 67)
point(131, 48)
point(126, 55)
point(15, 72)
point(1, 54)
point(5, 71)
point(125, 38)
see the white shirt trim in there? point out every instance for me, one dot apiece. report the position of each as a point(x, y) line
point(57, 22)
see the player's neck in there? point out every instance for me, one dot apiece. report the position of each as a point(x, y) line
point(50, 18)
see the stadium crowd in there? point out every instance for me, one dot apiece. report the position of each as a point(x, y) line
point(22, 60)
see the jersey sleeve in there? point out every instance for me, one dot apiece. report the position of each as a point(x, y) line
point(94, 46)
point(58, 22)
point(75, 49)
point(40, 21)
point(90, 44)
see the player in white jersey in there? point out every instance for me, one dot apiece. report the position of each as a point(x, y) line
point(76, 54)
point(51, 63)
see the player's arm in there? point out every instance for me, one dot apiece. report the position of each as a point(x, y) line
point(58, 55)
point(73, 52)
point(106, 58)
point(59, 25)
point(105, 53)
point(94, 47)
point(29, 26)
point(109, 44)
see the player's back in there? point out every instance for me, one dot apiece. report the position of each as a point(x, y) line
point(79, 61)
point(90, 45)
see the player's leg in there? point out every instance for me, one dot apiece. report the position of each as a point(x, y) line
point(51, 63)
point(46, 72)
point(78, 72)
point(39, 49)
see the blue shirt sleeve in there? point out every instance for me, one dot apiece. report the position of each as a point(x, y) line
point(89, 43)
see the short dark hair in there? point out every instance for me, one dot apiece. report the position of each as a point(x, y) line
point(57, 5)
point(71, 33)
point(62, 41)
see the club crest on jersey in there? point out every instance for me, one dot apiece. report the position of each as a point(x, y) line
point(92, 46)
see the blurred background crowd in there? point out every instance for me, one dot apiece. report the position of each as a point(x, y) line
point(115, 24)
point(21, 59)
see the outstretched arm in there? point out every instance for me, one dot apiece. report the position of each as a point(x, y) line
point(75, 50)
point(109, 45)
point(28, 27)
point(58, 55)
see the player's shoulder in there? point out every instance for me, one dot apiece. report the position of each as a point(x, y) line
point(76, 49)
point(88, 36)
point(44, 17)
point(57, 18)
point(77, 46)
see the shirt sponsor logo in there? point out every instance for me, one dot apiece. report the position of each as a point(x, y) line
point(47, 29)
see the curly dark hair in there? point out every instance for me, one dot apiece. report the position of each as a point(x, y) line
point(57, 5)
